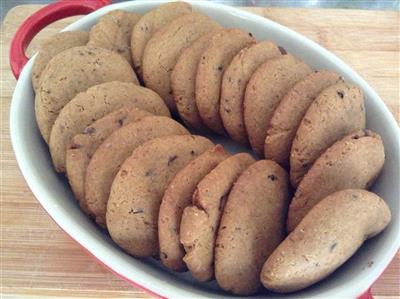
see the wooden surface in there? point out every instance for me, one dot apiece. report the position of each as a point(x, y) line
point(39, 260)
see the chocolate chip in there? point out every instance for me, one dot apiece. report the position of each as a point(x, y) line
point(250, 34)
point(272, 177)
point(74, 146)
point(220, 67)
point(136, 211)
point(282, 50)
point(172, 159)
point(149, 172)
point(340, 94)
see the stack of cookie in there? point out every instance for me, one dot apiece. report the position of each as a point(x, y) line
point(161, 191)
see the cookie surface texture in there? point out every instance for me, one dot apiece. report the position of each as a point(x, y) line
point(183, 81)
point(113, 32)
point(337, 111)
point(51, 47)
point(71, 72)
point(93, 104)
point(200, 221)
point(353, 162)
point(83, 145)
point(149, 23)
point(214, 61)
point(136, 193)
point(177, 196)
point(266, 88)
point(164, 48)
point(252, 226)
point(328, 236)
point(110, 155)
point(288, 115)
point(234, 82)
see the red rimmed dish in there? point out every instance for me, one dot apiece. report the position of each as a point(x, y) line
point(53, 192)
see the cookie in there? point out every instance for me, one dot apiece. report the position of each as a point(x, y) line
point(266, 88)
point(177, 196)
point(326, 238)
point(183, 80)
point(234, 81)
point(113, 32)
point(164, 48)
point(52, 46)
point(215, 59)
point(109, 156)
point(71, 72)
point(252, 226)
point(83, 146)
point(93, 104)
point(200, 221)
point(353, 162)
point(132, 210)
point(290, 111)
point(337, 111)
point(149, 23)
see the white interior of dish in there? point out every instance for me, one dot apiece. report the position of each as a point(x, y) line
point(54, 194)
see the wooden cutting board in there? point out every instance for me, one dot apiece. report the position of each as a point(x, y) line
point(39, 260)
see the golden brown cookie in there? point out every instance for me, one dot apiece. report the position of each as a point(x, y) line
point(266, 88)
point(337, 111)
point(71, 72)
point(353, 162)
point(52, 46)
point(200, 221)
point(325, 239)
point(113, 32)
point(83, 146)
point(132, 210)
point(149, 23)
point(164, 48)
point(215, 59)
point(183, 81)
point(252, 226)
point(291, 110)
point(93, 104)
point(234, 81)
point(109, 156)
point(177, 196)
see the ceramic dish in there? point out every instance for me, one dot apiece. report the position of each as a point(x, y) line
point(53, 192)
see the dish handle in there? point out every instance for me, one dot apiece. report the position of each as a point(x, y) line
point(50, 13)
